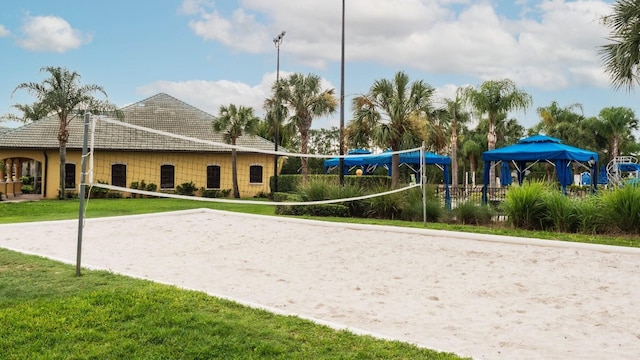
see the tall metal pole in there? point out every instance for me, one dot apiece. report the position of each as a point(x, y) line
point(341, 161)
point(82, 192)
point(277, 41)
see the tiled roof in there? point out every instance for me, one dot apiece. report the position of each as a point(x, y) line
point(4, 129)
point(161, 112)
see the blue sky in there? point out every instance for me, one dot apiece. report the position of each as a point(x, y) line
point(212, 53)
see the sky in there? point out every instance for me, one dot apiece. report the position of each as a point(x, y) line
point(210, 53)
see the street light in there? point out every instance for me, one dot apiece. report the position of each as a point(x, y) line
point(277, 41)
point(341, 161)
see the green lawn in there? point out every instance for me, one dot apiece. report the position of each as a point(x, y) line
point(47, 313)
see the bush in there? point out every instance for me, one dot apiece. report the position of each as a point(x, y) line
point(622, 208)
point(188, 189)
point(471, 213)
point(590, 216)
point(328, 210)
point(386, 207)
point(524, 206)
point(27, 189)
point(357, 208)
point(214, 193)
point(316, 189)
point(561, 212)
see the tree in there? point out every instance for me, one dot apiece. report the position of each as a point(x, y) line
point(457, 115)
point(615, 124)
point(565, 124)
point(61, 94)
point(621, 57)
point(305, 99)
point(33, 112)
point(395, 114)
point(234, 122)
point(495, 98)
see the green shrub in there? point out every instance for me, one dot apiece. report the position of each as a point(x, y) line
point(27, 189)
point(328, 210)
point(561, 212)
point(622, 208)
point(315, 189)
point(99, 192)
point(188, 189)
point(357, 208)
point(524, 206)
point(387, 206)
point(283, 197)
point(214, 193)
point(591, 219)
point(472, 213)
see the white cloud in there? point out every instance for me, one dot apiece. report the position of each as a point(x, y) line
point(3, 31)
point(210, 95)
point(51, 34)
point(540, 45)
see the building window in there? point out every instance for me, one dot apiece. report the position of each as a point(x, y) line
point(167, 173)
point(119, 175)
point(213, 177)
point(255, 174)
point(69, 176)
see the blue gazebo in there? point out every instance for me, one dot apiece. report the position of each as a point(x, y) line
point(540, 148)
point(384, 159)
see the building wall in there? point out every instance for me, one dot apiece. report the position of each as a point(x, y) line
point(189, 167)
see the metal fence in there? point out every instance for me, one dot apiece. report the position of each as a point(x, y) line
point(495, 196)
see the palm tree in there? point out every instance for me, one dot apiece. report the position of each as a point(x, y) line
point(234, 122)
point(34, 112)
point(396, 114)
point(615, 124)
point(305, 99)
point(62, 94)
point(565, 123)
point(621, 57)
point(493, 99)
point(458, 116)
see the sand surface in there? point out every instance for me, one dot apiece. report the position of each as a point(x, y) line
point(487, 297)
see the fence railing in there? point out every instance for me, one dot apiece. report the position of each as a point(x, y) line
point(464, 194)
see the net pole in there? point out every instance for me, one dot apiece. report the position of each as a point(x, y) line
point(82, 192)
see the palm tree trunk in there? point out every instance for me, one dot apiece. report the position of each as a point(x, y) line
point(63, 137)
point(454, 155)
point(234, 172)
point(63, 174)
point(395, 170)
point(491, 144)
point(304, 148)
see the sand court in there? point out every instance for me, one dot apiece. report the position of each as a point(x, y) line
point(487, 297)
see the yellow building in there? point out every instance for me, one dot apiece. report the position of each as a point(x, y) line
point(123, 155)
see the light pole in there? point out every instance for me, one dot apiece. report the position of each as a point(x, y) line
point(277, 41)
point(341, 161)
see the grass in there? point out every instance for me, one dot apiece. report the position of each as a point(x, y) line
point(47, 313)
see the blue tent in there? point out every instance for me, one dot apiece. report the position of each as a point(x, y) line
point(384, 159)
point(536, 148)
point(505, 174)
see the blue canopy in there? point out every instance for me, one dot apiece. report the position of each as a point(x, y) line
point(535, 148)
point(539, 147)
point(384, 159)
point(505, 174)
